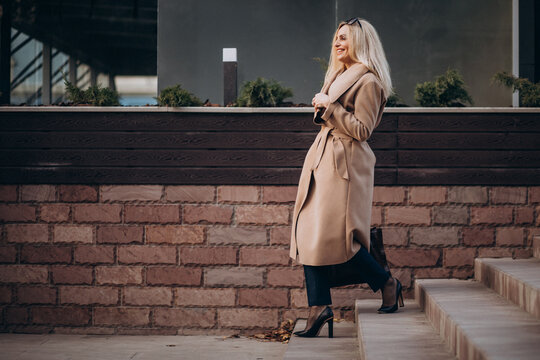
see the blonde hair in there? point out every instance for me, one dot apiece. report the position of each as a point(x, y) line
point(365, 47)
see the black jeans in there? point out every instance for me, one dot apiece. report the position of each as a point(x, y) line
point(362, 268)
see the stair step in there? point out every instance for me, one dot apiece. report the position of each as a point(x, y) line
point(343, 346)
point(476, 322)
point(403, 335)
point(516, 280)
point(536, 246)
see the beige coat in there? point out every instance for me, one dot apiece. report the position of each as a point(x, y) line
point(332, 213)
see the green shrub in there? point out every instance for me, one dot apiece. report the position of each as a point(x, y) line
point(529, 92)
point(262, 93)
point(395, 100)
point(447, 90)
point(94, 95)
point(176, 96)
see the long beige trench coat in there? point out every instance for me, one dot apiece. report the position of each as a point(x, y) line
point(332, 213)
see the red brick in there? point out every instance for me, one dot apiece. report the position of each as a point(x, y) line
point(408, 215)
point(148, 296)
point(388, 195)
point(54, 213)
point(468, 194)
point(413, 257)
point(119, 275)
point(279, 194)
point(16, 315)
point(23, 274)
point(48, 254)
point(534, 194)
point(238, 194)
point(38, 193)
point(89, 295)
point(77, 193)
point(427, 194)
point(262, 256)
point(71, 274)
point(262, 215)
point(92, 254)
point(173, 276)
point(286, 277)
point(491, 215)
point(120, 234)
point(404, 275)
point(459, 257)
point(175, 234)
point(131, 254)
point(474, 236)
point(523, 253)
point(435, 236)
point(65, 315)
point(280, 235)
point(237, 276)
point(450, 215)
point(104, 213)
point(17, 212)
point(432, 273)
point(190, 193)
point(510, 237)
point(236, 235)
point(395, 236)
point(130, 192)
point(376, 215)
point(162, 214)
point(494, 252)
point(205, 297)
point(524, 215)
point(202, 318)
point(121, 316)
point(5, 295)
point(8, 254)
point(295, 314)
point(508, 195)
point(247, 318)
point(299, 298)
point(31, 233)
point(263, 297)
point(463, 273)
point(8, 193)
point(347, 297)
point(208, 256)
point(36, 295)
point(73, 234)
point(209, 214)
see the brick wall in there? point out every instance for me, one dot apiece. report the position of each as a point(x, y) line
point(151, 259)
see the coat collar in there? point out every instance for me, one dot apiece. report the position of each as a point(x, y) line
point(345, 80)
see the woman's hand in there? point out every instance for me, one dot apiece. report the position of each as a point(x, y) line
point(320, 101)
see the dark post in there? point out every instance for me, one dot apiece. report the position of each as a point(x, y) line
point(46, 90)
point(230, 67)
point(5, 52)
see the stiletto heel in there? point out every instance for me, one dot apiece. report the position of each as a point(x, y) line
point(399, 300)
point(401, 304)
point(326, 316)
point(331, 328)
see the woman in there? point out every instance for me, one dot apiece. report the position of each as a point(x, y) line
point(332, 214)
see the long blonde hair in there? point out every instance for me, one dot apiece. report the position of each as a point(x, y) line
point(365, 47)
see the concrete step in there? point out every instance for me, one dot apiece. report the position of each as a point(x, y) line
point(343, 346)
point(405, 334)
point(536, 246)
point(476, 322)
point(516, 280)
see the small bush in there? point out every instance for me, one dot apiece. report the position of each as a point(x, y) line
point(447, 90)
point(263, 93)
point(94, 95)
point(176, 96)
point(529, 92)
point(395, 100)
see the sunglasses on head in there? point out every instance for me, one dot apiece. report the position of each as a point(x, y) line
point(352, 21)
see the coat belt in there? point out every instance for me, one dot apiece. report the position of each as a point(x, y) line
point(338, 148)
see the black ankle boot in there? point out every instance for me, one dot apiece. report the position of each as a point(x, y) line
point(326, 316)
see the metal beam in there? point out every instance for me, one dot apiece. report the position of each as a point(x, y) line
point(46, 87)
point(5, 52)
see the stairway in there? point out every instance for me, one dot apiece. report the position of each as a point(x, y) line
point(494, 316)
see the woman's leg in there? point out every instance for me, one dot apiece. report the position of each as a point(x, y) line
point(318, 291)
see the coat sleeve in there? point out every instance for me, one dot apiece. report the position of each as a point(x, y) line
point(360, 124)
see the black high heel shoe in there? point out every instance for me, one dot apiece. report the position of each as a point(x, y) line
point(326, 316)
point(399, 298)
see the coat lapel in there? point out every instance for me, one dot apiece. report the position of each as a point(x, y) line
point(342, 83)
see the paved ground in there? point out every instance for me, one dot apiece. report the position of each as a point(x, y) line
point(123, 347)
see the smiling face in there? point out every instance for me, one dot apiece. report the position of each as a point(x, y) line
point(341, 46)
